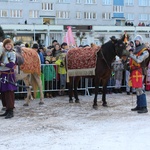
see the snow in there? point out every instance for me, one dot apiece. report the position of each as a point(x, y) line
point(58, 125)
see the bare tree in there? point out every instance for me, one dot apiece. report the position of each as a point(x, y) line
point(101, 39)
point(80, 35)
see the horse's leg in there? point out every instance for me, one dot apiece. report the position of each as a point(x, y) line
point(39, 83)
point(76, 82)
point(29, 95)
point(95, 106)
point(104, 92)
point(70, 90)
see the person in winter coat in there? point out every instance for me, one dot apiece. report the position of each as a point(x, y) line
point(36, 48)
point(7, 78)
point(62, 72)
point(118, 74)
point(49, 73)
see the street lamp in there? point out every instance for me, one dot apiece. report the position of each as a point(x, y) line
point(34, 31)
point(134, 31)
point(48, 35)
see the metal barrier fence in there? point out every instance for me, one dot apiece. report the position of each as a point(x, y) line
point(51, 81)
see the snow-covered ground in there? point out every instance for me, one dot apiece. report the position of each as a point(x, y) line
point(58, 125)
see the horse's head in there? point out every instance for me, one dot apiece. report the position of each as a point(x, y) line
point(120, 47)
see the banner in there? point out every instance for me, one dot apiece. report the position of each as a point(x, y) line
point(69, 38)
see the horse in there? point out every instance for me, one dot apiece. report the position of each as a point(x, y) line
point(29, 69)
point(104, 58)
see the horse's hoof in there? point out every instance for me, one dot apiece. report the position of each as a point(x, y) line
point(25, 104)
point(70, 101)
point(95, 107)
point(105, 105)
point(77, 101)
point(41, 103)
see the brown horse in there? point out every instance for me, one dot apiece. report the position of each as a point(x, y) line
point(29, 71)
point(105, 56)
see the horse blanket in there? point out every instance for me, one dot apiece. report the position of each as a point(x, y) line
point(81, 61)
point(31, 61)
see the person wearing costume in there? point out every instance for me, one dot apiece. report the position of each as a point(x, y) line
point(137, 73)
point(7, 78)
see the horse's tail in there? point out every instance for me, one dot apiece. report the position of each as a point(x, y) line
point(34, 85)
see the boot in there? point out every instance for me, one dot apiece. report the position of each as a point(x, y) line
point(116, 91)
point(6, 112)
point(136, 108)
point(10, 114)
point(119, 91)
point(143, 110)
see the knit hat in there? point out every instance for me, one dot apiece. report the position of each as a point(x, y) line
point(49, 50)
point(35, 45)
point(6, 41)
point(139, 38)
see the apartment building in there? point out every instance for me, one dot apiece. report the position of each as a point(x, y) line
point(45, 20)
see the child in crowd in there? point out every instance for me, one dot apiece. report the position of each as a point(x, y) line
point(118, 74)
point(62, 72)
point(49, 73)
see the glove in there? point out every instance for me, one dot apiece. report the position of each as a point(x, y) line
point(61, 64)
point(1, 64)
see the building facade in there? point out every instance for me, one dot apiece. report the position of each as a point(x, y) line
point(45, 20)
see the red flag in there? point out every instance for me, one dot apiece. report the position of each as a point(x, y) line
point(69, 38)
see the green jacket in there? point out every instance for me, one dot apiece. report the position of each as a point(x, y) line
point(49, 72)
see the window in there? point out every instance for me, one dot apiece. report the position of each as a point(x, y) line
point(63, 1)
point(16, 13)
point(78, 1)
point(78, 15)
point(118, 8)
point(3, 13)
point(63, 14)
point(107, 2)
point(106, 16)
point(89, 15)
point(143, 17)
point(33, 0)
point(130, 17)
point(33, 14)
point(143, 2)
point(129, 2)
point(90, 1)
point(15, 0)
point(47, 6)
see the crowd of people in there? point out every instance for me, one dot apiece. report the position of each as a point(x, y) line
point(55, 54)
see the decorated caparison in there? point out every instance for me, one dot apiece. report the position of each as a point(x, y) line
point(81, 61)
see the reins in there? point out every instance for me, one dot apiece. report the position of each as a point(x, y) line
point(105, 60)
